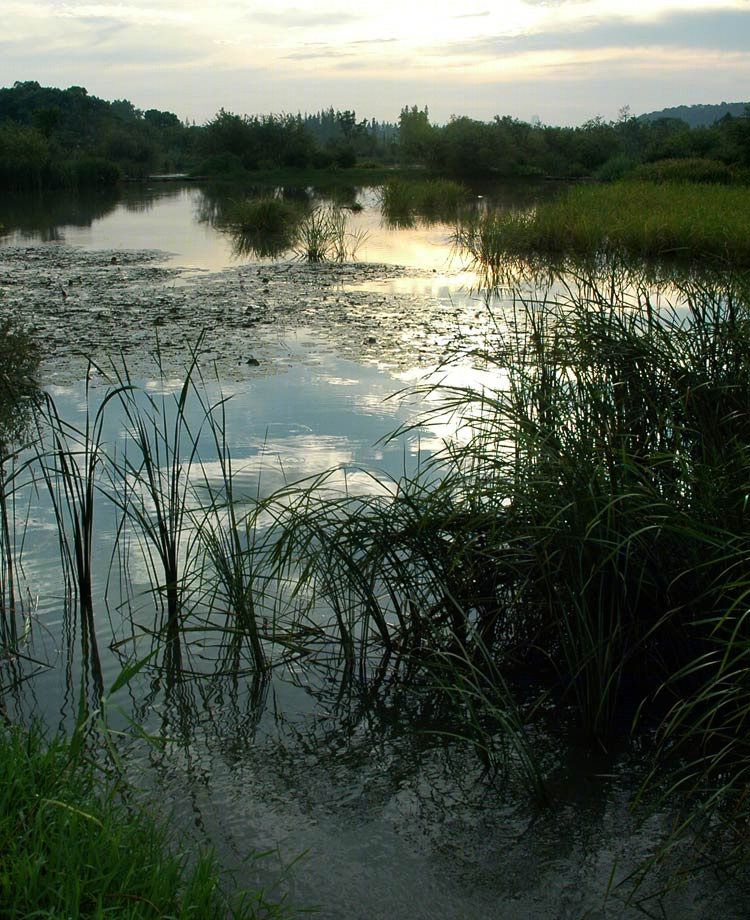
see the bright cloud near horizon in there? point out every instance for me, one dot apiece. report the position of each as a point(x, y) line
point(561, 61)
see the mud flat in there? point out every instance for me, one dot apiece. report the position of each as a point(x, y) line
point(254, 318)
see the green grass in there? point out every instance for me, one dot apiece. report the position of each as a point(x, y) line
point(267, 214)
point(263, 226)
point(686, 170)
point(73, 849)
point(687, 221)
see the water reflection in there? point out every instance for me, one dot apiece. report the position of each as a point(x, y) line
point(167, 216)
point(42, 216)
point(357, 758)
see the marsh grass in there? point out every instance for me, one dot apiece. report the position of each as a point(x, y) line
point(686, 221)
point(227, 534)
point(19, 396)
point(585, 547)
point(264, 226)
point(267, 214)
point(75, 847)
point(402, 201)
point(73, 464)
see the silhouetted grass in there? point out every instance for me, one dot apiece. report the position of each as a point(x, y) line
point(19, 396)
point(585, 548)
point(322, 236)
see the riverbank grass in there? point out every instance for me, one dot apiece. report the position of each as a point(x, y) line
point(688, 221)
point(72, 849)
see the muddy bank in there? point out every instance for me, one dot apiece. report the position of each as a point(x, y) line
point(253, 318)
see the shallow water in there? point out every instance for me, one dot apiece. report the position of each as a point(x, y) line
point(173, 218)
point(388, 816)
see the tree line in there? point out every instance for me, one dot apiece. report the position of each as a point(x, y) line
point(60, 138)
point(604, 149)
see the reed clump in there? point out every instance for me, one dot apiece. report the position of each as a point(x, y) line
point(323, 236)
point(19, 397)
point(266, 214)
point(685, 220)
point(585, 548)
point(265, 226)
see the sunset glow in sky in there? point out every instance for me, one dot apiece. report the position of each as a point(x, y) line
point(562, 61)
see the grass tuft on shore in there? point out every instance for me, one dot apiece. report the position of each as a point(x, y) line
point(71, 848)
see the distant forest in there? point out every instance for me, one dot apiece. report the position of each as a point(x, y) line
point(700, 116)
point(61, 138)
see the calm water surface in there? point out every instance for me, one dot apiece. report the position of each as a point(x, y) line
point(388, 819)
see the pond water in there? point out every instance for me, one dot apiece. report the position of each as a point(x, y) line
point(345, 774)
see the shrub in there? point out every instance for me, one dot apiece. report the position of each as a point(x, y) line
point(89, 171)
point(220, 164)
point(689, 169)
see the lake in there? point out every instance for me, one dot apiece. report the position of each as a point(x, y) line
point(349, 777)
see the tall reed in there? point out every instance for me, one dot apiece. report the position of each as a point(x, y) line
point(323, 237)
point(156, 492)
point(569, 550)
point(71, 467)
point(19, 398)
point(228, 535)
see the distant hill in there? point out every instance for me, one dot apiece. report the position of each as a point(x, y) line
point(699, 116)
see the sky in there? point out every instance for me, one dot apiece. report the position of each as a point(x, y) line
point(559, 61)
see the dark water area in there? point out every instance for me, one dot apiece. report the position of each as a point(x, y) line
point(353, 782)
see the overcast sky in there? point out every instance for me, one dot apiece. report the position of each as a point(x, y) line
point(562, 61)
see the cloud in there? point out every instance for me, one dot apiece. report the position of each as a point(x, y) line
point(720, 30)
point(378, 41)
point(296, 18)
point(316, 54)
point(553, 3)
point(471, 15)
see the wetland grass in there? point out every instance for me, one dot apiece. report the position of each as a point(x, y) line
point(323, 237)
point(264, 226)
point(403, 200)
point(582, 551)
point(19, 396)
point(683, 221)
point(585, 550)
point(266, 214)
